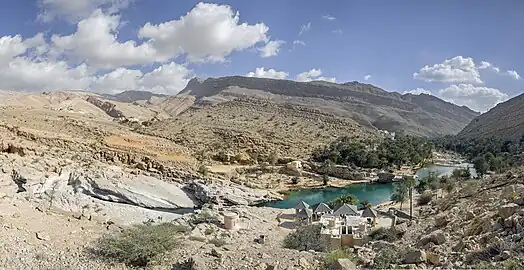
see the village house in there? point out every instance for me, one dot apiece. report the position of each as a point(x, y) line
point(344, 227)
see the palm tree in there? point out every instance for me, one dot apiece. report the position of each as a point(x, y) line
point(399, 193)
point(410, 184)
point(349, 199)
point(365, 204)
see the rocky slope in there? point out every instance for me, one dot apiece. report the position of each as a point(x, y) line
point(370, 106)
point(479, 225)
point(503, 121)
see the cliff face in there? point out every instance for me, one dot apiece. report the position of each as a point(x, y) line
point(367, 104)
point(506, 120)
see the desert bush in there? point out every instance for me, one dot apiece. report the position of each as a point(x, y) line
point(139, 245)
point(204, 217)
point(385, 258)
point(424, 199)
point(218, 242)
point(385, 234)
point(490, 251)
point(333, 256)
point(203, 171)
point(294, 180)
point(305, 238)
point(513, 264)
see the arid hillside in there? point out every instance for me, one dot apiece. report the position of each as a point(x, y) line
point(366, 104)
point(505, 121)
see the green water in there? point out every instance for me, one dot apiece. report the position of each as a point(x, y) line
point(374, 193)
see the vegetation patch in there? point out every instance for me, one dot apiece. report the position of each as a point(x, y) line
point(333, 256)
point(424, 199)
point(385, 258)
point(139, 245)
point(305, 238)
point(386, 234)
point(375, 154)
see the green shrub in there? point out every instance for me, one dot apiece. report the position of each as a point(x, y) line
point(305, 238)
point(512, 264)
point(424, 199)
point(204, 217)
point(137, 246)
point(385, 234)
point(218, 242)
point(385, 258)
point(332, 257)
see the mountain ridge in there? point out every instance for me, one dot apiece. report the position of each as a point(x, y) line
point(367, 104)
point(505, 120)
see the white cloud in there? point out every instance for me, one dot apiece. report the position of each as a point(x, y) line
point(11, 47)
point(313, 75)
point(75, 10)
point(93, 58)
point(337, 32)
point(22, 73)
point(513, 74)
point(271, 48)
point(270, 73)
point(485, 65)
point(367, 77)
point(299, 42)
point(167, 79)
point(456, 70)
point(95, 42)
point(328, 17)
point(304, 28)
point(417, 91)
point(207, 33)
point(477, 98)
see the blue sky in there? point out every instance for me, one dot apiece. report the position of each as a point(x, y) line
point(472, 49)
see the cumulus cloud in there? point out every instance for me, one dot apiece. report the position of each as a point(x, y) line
point(455, 70)
point(271, 48)
point(477, 98)
point(207, 33)
point(304, 28)
point(313, 75)
point(93, 57)
point(75, 10)
point(270, 73)
point(337, 32)
point(367, 77)
point(417, 91)
point(24, 66)
point(328, 17)
point(513, 74)
point(95, 42)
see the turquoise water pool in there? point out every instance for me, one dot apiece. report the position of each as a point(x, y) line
point(374, 193)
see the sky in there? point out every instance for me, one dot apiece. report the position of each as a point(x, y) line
point(468, 52)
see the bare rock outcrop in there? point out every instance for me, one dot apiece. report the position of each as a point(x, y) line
point(106, 106)
point(229, 194)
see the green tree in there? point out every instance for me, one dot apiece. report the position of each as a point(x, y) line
point(344, 199)
point(325, 179)
point(496, 164)
point(365, 204)
point(400, 192)
point(294, 180)
point(410, 184)
point(480, 165)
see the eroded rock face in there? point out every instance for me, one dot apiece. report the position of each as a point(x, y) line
point(229, 194)
point(437, 237)
point(507, 210)
point(106, 106)
point(417, 256)
point(100, 191)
